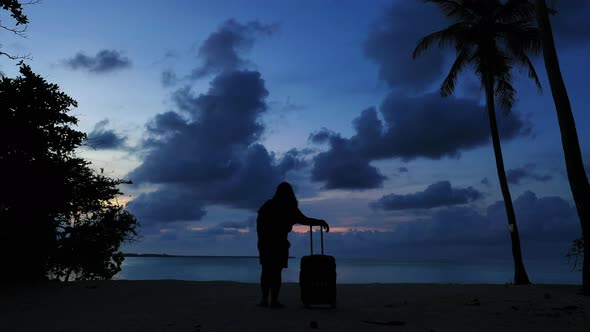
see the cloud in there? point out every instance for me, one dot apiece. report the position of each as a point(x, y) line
point(517, 175)
point(168, 78)
point(393, 39)
point(207, 152)
point(544, 223)
point(547, 225)
point(248, 224)
point(435, 195)
point(551, 216)
point(403, 170)
point(163, 124)
point(341, 167)
point(429, 126)
point(222, 50)
point(293, 160)
point(486, 182)
point(104, 61)
point(343, 171)
point(202, 140)
point(101, 138)
point(169, 204)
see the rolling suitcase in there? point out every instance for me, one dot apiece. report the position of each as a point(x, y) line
point(317, 277)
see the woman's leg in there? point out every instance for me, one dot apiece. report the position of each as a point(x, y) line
point(265, 284)
point(275, 285)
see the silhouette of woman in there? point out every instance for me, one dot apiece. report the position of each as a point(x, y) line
point(275, 220)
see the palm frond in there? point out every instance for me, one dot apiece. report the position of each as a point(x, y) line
point(444, 38)
point(495, 36)
point(478, 65)
point(532, 73)
point(489, 61)
point(521, 36)
point(456, 9)
point(516, 10)
point(447, 87)
point(526, 64)
point(505, 92)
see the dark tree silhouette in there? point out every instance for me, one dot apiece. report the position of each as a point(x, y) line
point(56, 213)
point(88, 247)
point(492, 37)
point(91, 230)
point(569, 137)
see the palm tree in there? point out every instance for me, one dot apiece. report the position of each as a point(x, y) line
point(492, 37)
point(569, 137)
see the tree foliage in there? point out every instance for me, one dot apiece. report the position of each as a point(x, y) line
point(491, 37)
point(60, 218)
point(16, 11)
point(575, 254)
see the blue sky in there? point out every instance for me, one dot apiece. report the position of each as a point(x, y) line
point(323, 94)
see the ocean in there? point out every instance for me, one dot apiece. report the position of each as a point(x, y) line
point(247, 269)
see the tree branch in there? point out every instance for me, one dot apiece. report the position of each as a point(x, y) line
point(21, 32)
point(17, 57)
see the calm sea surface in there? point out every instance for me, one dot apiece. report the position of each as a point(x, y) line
point(246, 269)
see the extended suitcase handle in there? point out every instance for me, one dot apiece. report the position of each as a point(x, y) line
point(311, 238)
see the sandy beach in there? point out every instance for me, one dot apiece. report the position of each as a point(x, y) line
point(170, 305)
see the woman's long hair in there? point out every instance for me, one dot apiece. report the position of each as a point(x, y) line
point(285, 195)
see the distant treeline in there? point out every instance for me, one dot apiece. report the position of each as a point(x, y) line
point(187, 256)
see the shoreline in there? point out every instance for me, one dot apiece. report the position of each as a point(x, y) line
point(176, 305)
point(350, 271)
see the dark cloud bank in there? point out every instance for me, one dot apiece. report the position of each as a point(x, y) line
point(104, 61)
point(102, 138)
point(208, 152)
point(518, 175)
point(429, 127)
point(436, 195)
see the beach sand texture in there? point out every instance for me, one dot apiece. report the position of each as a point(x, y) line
point(171, 305)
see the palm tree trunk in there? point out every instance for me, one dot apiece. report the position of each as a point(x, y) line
point(569, 137)
point(520, 275)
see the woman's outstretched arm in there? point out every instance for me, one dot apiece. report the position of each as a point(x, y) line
point(303, 220)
